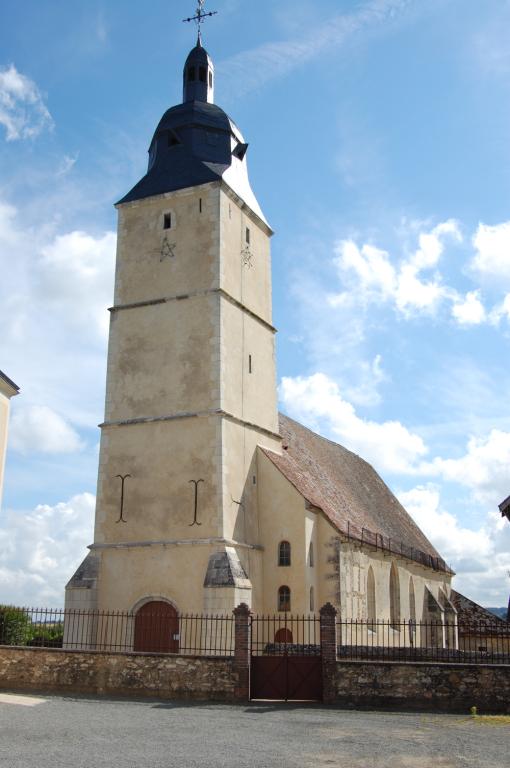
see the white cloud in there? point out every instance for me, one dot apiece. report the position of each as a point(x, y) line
point(375, 276)
point(38, 429)
point(252, 69)
point(492, 244)
point(23, 112)
point(389, 445)
point(41, 549)
point(76, 276)
point(392, 447)
point(370, 276)
point(484, 468)
point(54, 294)
point(67, 164)
point(470, 310)
point(500, 311)
point(480, 557)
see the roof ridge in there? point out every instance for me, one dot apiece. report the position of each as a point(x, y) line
point(9, 381)
point(329, 440)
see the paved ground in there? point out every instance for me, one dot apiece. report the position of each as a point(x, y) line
point(57, 732)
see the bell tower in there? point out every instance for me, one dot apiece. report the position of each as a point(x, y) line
point(191, 381)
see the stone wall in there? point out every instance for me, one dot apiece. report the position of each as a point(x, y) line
point(94, 672)
point(422, 686)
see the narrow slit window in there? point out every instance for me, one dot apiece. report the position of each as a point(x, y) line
point(210, 80)
point(200, 205)
point(250, 366)
point(167, 221)
point(248, 235)
point(312, 600)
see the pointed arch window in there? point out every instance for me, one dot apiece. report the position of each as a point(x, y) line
point(284, 599)
point(394, 597)
point(371, 603)
point(284, 553)
point(412, 601)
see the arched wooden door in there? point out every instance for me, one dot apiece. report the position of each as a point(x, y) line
point(283, 635)
point(157, 628)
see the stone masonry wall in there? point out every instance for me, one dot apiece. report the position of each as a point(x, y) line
point(144, 675)
point(447, 687)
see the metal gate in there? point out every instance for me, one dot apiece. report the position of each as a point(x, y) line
point(286, 661)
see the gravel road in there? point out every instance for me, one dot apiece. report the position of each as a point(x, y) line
point(55, 732)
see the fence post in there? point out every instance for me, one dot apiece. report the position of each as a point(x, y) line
point(242, 651)
point(328, 650)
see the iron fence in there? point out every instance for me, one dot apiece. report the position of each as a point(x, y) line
point(285, 634)
point(474, 643)
point(118, 631)
point(394, 546)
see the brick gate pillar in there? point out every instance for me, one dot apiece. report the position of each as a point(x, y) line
point(328, 649)
point(242, 651)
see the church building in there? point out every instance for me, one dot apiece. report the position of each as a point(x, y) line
point(206, 496)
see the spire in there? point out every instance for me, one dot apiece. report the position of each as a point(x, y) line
point(198, 76)
point(199, 17)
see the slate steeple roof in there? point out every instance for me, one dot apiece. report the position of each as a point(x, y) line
point(196, 142)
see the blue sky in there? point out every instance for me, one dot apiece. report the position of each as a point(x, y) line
point(379, 152)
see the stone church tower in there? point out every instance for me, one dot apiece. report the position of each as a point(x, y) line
point(206, 496)
point(191, 383)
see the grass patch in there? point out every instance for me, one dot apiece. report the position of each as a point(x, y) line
point(490, 719)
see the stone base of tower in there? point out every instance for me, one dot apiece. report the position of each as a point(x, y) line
point(81, 600)
point(226, 584)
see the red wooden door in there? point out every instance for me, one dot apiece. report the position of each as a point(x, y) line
point(157, 628)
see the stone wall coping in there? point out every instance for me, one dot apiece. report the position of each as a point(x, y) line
point(114, 654)
point(440, 664)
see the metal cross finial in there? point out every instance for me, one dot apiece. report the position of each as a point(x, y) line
point(199, 17)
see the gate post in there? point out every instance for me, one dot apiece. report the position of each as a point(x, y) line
point(242, 652)
point(328, 651)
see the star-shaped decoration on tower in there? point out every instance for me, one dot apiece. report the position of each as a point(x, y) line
point(167, 249)
point(247, 257)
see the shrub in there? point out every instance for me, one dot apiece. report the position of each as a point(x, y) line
point(15, 625)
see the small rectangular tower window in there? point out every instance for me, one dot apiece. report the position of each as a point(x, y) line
point(200, 205)
point(247, 235)
point(167, 221)
point(250, 366)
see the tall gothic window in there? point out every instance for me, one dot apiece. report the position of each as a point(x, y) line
point(371, 604)
point(284, 553)
point(394, 597)
point(412, 601)
point(284, 599)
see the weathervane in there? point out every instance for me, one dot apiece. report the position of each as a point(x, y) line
point(199, 17)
